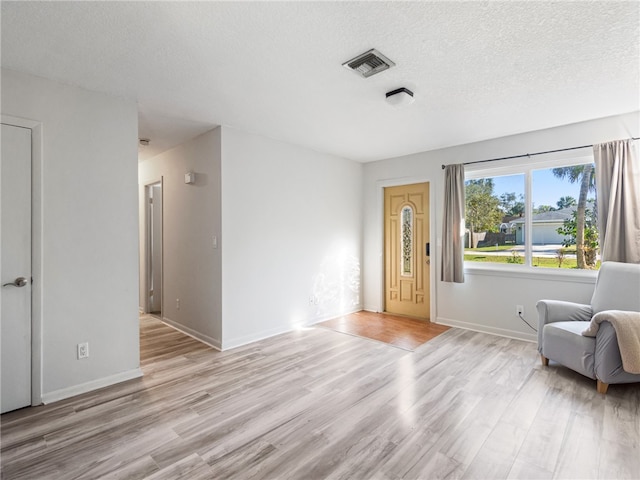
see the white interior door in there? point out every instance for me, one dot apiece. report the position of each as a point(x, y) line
point(15, 267)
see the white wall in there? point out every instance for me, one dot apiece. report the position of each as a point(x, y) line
point(85, 236)
point(291, 220)
point(486, 301)
point(191, 218)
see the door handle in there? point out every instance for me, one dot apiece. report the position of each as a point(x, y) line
point(18, 282)
point(428, 249)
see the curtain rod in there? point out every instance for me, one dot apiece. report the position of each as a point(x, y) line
point(530, 154)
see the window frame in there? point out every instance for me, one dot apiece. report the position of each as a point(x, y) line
point(526, 168)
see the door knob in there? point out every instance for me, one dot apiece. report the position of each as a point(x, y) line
point(18, 282)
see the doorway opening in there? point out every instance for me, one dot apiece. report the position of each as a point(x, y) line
point(154, 257)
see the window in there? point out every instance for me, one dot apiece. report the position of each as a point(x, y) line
point(406, 240)
point(537, 215)
point(491, 206)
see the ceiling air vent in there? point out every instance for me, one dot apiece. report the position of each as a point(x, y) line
point(369, 63)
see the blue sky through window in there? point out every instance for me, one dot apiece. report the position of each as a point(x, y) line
point(547, 189)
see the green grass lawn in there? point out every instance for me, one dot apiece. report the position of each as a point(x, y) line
point(571, 250)
point(544, 262)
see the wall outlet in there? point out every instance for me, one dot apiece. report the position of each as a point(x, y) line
point(177, 304)
point(519, 310)
point(83, 350)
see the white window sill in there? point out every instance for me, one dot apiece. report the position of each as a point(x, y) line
point(535, 273)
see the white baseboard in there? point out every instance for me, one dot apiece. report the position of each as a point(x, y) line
point(212, 342)
point(240, 341)
point(371, 308)
point(501, 332)
point(68, 392)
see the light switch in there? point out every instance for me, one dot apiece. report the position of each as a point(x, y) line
point(215, 242)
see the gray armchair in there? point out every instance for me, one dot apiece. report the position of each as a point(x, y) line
point(560, 327)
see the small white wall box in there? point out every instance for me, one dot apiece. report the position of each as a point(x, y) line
point(190, 178)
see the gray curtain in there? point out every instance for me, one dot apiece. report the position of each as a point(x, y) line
point(453, 225)
point(618, 190)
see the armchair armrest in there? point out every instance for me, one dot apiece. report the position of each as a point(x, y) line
point(550, 311)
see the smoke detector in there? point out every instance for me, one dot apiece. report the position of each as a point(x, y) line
point(399, 97)
point(369, 63)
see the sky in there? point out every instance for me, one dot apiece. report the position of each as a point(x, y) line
point(547, 189)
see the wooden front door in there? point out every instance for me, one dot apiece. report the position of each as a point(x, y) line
point(406, 235)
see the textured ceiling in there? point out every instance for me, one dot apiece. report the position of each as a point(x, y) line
point(479, 70)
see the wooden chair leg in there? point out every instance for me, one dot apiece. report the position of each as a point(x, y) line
point(602, 387)
point(545, 360)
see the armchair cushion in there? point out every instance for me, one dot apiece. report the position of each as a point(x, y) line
point(617, 288)
point(564, 343)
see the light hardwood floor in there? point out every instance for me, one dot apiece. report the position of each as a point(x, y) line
point(316, 403)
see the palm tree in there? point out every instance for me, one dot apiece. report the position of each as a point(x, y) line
point(585, 175)
point(565, 202)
